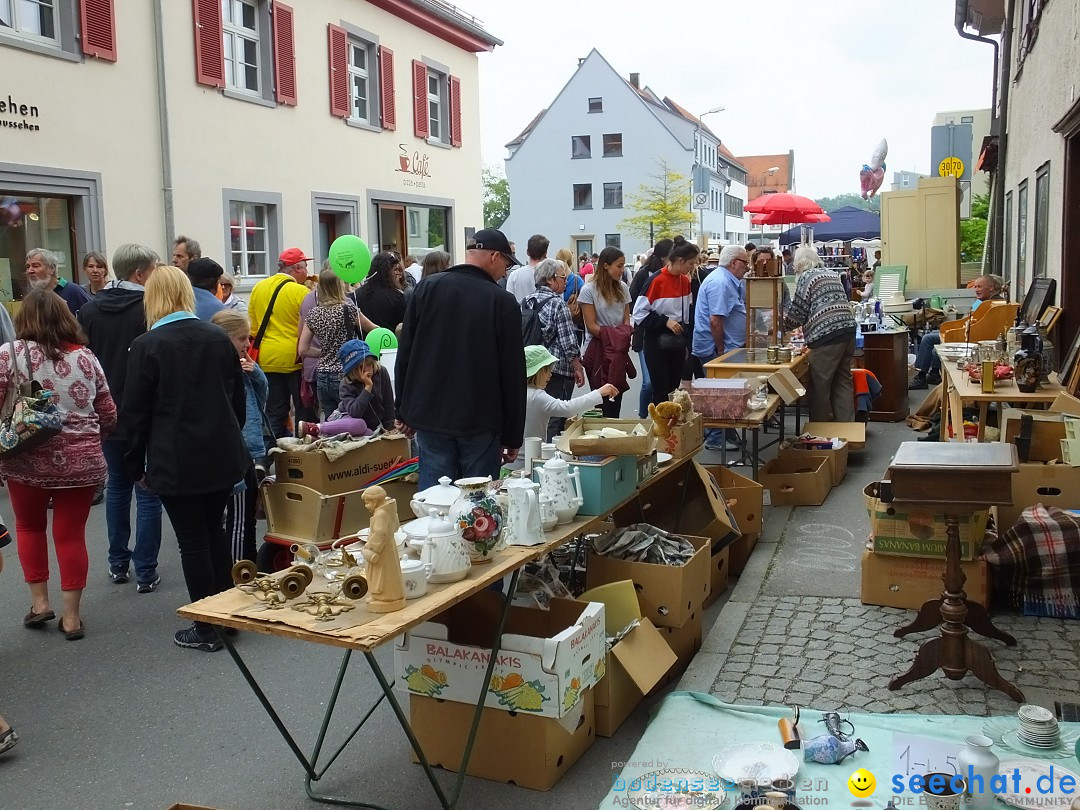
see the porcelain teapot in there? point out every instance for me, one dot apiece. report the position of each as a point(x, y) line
point(445, 552)
point(523, 525)
point(562, 485)
point(435, 500)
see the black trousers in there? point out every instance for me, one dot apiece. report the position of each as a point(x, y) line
point(204, 550)
point(240, 518)
point(611, 409)
point(665, 369)
point(559, 386)
point(284, 391)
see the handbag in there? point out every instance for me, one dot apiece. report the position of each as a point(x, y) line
point(30, 413)
point(670, 342)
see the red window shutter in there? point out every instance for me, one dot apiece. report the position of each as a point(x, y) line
point(98, 28)
point(284, 54)
point(419, 87)
point(340, 105)
point(454, 84)
point(209, 43)
point(387, 99)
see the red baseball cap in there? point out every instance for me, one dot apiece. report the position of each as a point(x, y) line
point(292, 256)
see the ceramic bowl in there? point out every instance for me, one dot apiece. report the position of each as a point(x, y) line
point(566, 515)
point(550, 524)
point(415, 532)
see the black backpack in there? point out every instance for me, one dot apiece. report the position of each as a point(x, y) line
point(532, 331)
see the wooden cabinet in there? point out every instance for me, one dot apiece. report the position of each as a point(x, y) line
point(920, 228)
point(885, 354)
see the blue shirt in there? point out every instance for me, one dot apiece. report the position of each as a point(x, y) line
point(725, 295)
point(206, 304)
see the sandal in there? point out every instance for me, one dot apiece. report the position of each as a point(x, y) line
point(32, 619)
point(71, 635)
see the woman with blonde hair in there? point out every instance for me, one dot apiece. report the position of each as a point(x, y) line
point(333, 320)
point(184, 406)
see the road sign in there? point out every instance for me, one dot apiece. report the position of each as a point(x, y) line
point(951, 167)
point(701, 200)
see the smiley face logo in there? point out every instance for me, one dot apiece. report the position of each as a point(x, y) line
point(861, 783)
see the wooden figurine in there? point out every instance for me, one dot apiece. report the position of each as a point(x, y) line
point(386, 585)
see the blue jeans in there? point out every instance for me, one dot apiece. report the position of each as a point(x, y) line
point(646, 387)
point(926, 359)
point(326, 389)
point(457, 456)
point(118, 518)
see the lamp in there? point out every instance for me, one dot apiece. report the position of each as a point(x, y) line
point(697, 162)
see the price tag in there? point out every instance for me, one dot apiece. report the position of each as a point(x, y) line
point(916, 756)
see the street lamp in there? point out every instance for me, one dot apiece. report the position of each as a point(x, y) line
point(698, 149)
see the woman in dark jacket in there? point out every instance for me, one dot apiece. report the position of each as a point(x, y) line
point(184, 408)
point(381, 296)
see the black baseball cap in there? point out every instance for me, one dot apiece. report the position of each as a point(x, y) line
point(204, 269)
point(493, 239)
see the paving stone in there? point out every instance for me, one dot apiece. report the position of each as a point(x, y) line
point(753, 681)
point(736, 667)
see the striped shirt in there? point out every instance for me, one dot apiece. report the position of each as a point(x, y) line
point(821, 307)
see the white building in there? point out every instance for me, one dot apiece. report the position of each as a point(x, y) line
point(905, 179)
point(248, 125)
point(575, 166)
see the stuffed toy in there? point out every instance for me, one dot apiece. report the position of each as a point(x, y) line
point(664, 416)
point(682, 398)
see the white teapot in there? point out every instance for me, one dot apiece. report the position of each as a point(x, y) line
point(523, 525)
point(435, 500)
point(444, 550)
point(562, 486)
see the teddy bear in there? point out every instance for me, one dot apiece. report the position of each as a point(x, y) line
point(664, 416)
point(682, 397)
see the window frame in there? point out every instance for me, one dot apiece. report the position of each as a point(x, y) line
point(265, 50)
point(733, 202)
point(373, 76)
point(1007, 243)
point(442, 75)
point(613, 240)
point(587, 204)
point(65, 46)
point(1041, 231)
point(584, 140)
point(599, 104)
point(272, 202)
point(604, 147)
point(611, 188)
point(1021, 236)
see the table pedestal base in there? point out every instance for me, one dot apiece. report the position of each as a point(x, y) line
point(977, 619)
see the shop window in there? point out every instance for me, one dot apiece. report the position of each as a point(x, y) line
point(427, 230)
point(1042, 220)
point(28, 221)
point(613, 240)
point(612, 195)
point(596, 105)
point(253, 225)
point(60, 27)
point(582, 195)
point(580, 146)
point(613, 145)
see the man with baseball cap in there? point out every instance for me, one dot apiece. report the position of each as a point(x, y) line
point(204, 274)
point(460, 374)
point(274, 310)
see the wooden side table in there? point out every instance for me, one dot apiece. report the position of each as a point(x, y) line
point(885, 354)
point(954, 479)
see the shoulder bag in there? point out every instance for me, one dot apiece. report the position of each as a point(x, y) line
point(253, 350)
point(30, 415)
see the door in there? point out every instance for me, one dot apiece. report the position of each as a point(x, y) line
point(392, 228)
point(327, 233)
point(582, 246)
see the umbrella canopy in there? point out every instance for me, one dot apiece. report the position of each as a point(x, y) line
point(784, 203)
point(787, 219)
point(847, 223)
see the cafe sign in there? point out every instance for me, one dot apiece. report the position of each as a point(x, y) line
point(416, 165)
point(14, 115)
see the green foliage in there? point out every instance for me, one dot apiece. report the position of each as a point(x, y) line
point(973, 230)
point(663, 206)
point(840, 200)
point(980, 206)
point(496, 197)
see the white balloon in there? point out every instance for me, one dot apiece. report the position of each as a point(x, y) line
point(881, 151)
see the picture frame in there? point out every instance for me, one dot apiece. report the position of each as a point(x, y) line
point(1048, 320)
point(1069, 373)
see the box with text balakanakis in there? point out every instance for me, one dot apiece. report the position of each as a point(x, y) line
point(356, 467)
point(303, 515)
point(668, 594)
point(528, 751)
point(796, 481)
point(1049, 484)
point(548, 657)
point(907, 530)
point(908, 582)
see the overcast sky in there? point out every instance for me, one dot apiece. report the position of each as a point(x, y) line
point(828, 79)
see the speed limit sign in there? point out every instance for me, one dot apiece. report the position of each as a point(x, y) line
point(701, 199)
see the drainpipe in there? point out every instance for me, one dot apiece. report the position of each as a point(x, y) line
point(163, 124)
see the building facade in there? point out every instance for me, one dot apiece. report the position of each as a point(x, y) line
point(575, 167)
point(248, 125)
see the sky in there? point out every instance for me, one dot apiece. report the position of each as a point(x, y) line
point(828, 79)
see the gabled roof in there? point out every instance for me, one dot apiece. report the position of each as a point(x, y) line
point(528, 128)
point(758, 179)
point(682, 111)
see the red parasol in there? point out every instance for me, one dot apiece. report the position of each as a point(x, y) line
point(787, 219)
point(783, 203)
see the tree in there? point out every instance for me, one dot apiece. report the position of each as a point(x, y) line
point(496, 197)
point(973, 229)
point(840, 200)
point(661, 210)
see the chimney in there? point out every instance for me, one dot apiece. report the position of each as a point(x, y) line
point(635, 79)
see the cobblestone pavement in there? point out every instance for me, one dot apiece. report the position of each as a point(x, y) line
point(832, 653)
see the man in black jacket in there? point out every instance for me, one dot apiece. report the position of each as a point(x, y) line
point(460, 374)
point(112, 320)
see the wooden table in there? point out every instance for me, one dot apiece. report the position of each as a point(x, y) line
point(735, 363)
point(754, 421)
point(960, 391)
point(885, 355)
point(372, 630)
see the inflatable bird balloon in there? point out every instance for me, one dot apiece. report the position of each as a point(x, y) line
point(873, 173)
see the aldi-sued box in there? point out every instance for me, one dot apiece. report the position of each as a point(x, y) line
point(352, 470)
point(796, 481)
point(908, 582)
point(574, 441)
point(548, 657)
point(301, 514)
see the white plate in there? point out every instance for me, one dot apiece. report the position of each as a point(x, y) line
point(1004, 730)
point(676, 788)
point(1030, 713)
point(663, 458)
point(760, 761)
point(1030, 771)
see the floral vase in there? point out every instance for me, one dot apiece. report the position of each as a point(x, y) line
point(977, 760)
point(479, 518)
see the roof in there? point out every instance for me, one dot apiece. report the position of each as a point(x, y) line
point(444, 20)
point(758, 179)
point(723, 150)
point(520, 139)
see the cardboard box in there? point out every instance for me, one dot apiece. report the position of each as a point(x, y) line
point(908, 582)
point(351, 472)
point(606, 483)
point(572, 439)
point(668, 594)
point(718, 578)
point(684, 439)
point(744, 497)
point(1047, 431)
point(783, 381)
point(836, 459)
point(796, 481)
point(854, 433)
point(557, 653)
point(303, 515)
point(191, 807)
point(1049, 484)
point(739, 552)
point(529, 751)
point(721, 398)
point(907, 530)
point(1066, 404)
point(684, 641)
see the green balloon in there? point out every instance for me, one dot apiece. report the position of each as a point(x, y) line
point(350, 258)
point(379, 340)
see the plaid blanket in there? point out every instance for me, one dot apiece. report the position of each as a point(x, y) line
point(1040, 558)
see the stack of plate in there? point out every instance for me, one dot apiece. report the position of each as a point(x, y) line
point(1038, 727)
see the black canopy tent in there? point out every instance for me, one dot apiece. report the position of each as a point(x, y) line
point(845, 224)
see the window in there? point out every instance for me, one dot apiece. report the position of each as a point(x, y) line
point(435, 105)
point(613, 145)
point(1042, 217)
point(596, 105)
point(612, 195)
point(32, 19)
point(361, 78)
point(241, 24)
point(582, 195)
point(414, 223)
point(252, 229)
point(360, 81)
point(733, 206)
point(967, 119)
point(1021, 237)
point(1030, 11)
point(580, 146)
point(1007, 251)
point(60, 28)
point(613, 240)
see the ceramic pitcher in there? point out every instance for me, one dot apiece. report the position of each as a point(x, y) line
point(445, 552)
point(562, 486)
point(479, 518)
point(523, 514)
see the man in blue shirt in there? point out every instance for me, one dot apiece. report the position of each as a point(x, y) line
point(204, 274)
point(720, 315)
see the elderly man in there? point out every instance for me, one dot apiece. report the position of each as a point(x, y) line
point(559, 335)
point(927, 363)
point(460, 374)
point(112, 320)
point(184, 251)
point(204, 274)
point(522, 281)
point(41, 273)
point(274, 310)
